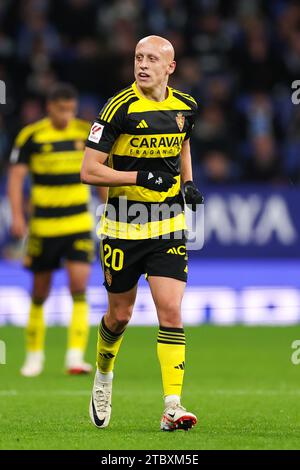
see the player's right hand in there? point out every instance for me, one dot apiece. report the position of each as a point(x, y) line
point(18, 227)
point(155, 180)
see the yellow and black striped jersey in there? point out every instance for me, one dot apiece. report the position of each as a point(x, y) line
point(141, 134)
point(59, 200)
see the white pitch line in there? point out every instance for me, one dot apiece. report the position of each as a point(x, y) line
point(223, 392)
point(44, 392)
point(251, 392)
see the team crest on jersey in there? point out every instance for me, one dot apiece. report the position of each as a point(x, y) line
point(180, 121)
point(108, 277)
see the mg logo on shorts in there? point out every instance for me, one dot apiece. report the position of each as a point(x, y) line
point(179, 250)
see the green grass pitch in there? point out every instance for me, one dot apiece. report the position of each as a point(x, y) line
point(239, 381)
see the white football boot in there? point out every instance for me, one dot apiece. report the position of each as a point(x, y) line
point(75, 364)
point(176, 417)
point(34, 364)
point(100, 404)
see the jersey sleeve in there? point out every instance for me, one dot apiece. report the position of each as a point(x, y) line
point(191, 121)
point(104, 132)
point(22, 148)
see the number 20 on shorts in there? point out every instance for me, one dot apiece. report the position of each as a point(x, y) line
point(113, 258)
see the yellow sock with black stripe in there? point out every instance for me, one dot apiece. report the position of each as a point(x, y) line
point(79, 327)
point(35, 329)
point(171, 355)
point(108, 346)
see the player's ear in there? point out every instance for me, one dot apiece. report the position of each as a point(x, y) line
point(172, 67)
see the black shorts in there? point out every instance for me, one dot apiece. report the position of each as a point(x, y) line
point(47, 253)
point(123, 261)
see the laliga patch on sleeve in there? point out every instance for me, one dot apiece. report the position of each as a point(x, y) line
point(96, 132)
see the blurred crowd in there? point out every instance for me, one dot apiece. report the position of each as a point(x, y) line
point(238, 58)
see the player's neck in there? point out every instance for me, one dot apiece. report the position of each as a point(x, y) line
point(57, 126)
point(154, 94)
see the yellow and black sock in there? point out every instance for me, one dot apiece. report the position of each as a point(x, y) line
point(79, 327)
point(35, 330)
point(171, 355)
point(108, 346)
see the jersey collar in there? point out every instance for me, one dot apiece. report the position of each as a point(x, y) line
point(135, 89)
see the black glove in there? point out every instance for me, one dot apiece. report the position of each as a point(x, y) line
point(155, 180)
point(192, 195)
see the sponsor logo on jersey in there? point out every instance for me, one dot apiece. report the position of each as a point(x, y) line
point(156, 142)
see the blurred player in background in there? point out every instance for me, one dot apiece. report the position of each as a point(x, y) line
point(59, 223)
point(145, 131)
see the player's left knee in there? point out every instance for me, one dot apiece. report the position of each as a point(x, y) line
point(170, 315)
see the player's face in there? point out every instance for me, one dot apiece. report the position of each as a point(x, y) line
point(152, 66)
point(61, 112)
